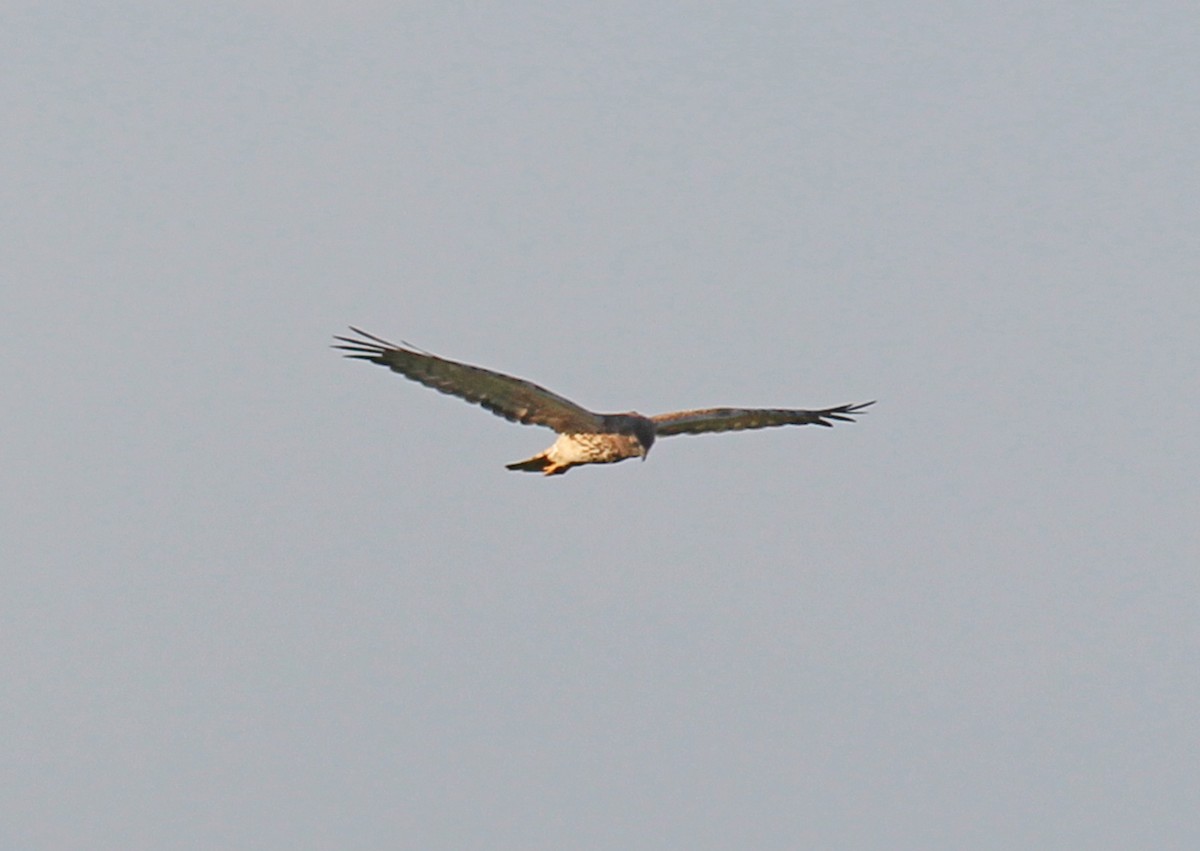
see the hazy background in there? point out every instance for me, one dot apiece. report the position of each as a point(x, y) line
point(257, 596)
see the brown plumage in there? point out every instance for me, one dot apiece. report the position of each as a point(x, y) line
point(585, 437)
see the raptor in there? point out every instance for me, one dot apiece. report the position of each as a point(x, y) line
point(584, 437)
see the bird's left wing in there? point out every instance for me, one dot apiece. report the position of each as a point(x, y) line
point(738, 419)
point(514, 399)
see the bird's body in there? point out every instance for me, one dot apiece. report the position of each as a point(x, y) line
point(572, 450)
point(584, 437)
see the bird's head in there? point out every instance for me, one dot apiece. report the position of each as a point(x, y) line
point(636, 426)
point(643, 430)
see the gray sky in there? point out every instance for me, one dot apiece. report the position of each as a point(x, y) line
point(257, 596)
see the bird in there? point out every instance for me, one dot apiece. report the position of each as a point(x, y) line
point(584, 437)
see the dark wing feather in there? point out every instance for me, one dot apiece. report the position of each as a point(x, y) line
point(512, 398)
point(738, 419)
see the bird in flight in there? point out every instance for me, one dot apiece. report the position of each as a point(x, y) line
point(584, 437)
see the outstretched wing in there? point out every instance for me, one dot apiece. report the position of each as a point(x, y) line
point(738, 419)
point(512, 398)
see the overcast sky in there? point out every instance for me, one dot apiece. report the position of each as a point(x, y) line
point(259, 596)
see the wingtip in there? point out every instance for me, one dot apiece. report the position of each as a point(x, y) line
point(366, 346)
point(381, 343)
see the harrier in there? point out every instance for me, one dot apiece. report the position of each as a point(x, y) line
point(584, 437)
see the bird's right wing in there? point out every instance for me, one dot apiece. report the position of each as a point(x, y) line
point(739, 419)
point(514, 399)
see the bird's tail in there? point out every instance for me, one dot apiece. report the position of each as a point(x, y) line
point(540, 463)
point(530, 465)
